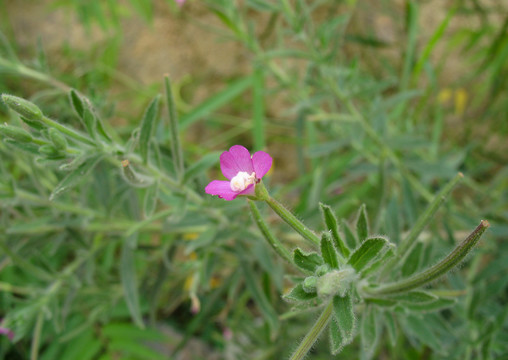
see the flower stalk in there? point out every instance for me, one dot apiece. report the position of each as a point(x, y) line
point(313, 334)
point(292, 221)
point(436, 271)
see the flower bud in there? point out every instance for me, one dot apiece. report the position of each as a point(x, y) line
point(23, 107)
point(309, 284)
point(335, 282)
point(15, 133)
point(58, 139)
point(48, 150)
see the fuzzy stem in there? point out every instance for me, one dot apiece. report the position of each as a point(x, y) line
point(69, 132)
point(176, 147)
point(408, 242)
point(434, 272)
point(272, 240)
point(313, 334)
point(296, 224)
point(428, 214)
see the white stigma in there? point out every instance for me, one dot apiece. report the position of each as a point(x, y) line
point(242, 180)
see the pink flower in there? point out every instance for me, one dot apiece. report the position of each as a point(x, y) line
point(7, 332)
point(242, 170)
point(180, 2)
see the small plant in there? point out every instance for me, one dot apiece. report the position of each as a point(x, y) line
point(347, 276)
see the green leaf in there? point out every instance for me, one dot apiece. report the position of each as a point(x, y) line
point(77, 103)
point(298, 294)
point(90, 121)
point(436, 305)
point(129, 281)
point(350, 237)
point(216, 101)
point(412, 261)
point(25, 147)
point(391, 327)
point(328, 251)
point(331, 224)
point(415, 296)
point(308, 261)
point(202, 165)
point(344, 315)
point(147, 126)
point(369, 332)
point(134, 178)
point(380, 261)
point(76, 175)
point(336, 340)
point(260, 297)
point(362, 224)
point(150, 199)
point(422, 331)
point(383, 302)
point(367, 252)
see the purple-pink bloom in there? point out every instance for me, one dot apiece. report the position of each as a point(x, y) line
point(242, 170)
point(7, 332)
point(180, 2)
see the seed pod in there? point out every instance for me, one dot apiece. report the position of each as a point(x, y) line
point(23, 107)
point(16, 133)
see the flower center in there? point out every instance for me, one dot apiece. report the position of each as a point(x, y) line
point(242, 180)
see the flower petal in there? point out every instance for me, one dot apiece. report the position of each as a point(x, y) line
point(262, 162)
point(222, 189)
point(228, 165)
point(249, 190)
point(242, 158)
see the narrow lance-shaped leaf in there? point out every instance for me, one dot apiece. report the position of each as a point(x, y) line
point(349, 236)
point(380, 261)
point(436, 305)
point(344, 316)
point(176, 147)
point(308, 261)
point(415, 296)
point(134, 178)
point(332, 225)
point(298, 294)
point(367, 252)
point(336, 340)
point(76, 176)
point(150, 200)
point(147, 126)
point(412, 261)
point(369, 332)
point(328, 251)
point(391, 327)
point(362, 224)
point(129, 282)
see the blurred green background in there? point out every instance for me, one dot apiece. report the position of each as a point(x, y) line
point(375, 102)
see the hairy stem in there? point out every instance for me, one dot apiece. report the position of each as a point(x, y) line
point(434, 272)
point(313, 334)
point(296, 224)
point(272, 240)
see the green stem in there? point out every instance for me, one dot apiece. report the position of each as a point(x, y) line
point(34, 353)
point(272, 240)
point(436, 271)
point(176, 147)
point(69, 132)
point(313, 334)
point(422, 222)
point(296, 224)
